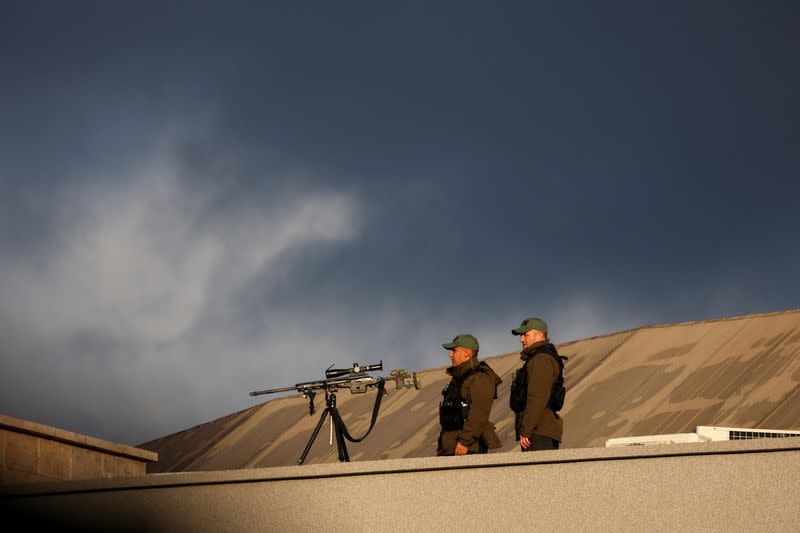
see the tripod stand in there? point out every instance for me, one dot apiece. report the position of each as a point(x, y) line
point(330, 408)
point(337, 425)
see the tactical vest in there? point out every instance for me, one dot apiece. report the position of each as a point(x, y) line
point(518, 400)
point(454, 408)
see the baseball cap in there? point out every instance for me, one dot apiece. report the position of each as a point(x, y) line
point(465, 339)
point(530, 323)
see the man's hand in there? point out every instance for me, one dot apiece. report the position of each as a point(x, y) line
point(525, 442)
point(461, 449)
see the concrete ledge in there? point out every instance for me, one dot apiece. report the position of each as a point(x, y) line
point(715, 486)
point(34, 453)
point(76, 439)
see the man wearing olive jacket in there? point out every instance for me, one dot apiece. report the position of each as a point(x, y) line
point(538, 426)
point(467, 401)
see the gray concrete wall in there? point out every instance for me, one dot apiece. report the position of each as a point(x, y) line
point(715, 486)
point(31, 452)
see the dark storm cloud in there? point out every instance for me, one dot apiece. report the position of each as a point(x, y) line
point(202, 199)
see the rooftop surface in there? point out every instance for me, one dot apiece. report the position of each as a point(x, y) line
point(710, 486)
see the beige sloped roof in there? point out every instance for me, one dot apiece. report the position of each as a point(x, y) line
point(738, 372)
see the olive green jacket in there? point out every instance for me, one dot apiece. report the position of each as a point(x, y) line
point(479, 389)
point(537, 418)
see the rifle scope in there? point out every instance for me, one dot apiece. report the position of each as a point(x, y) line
point(356, 369)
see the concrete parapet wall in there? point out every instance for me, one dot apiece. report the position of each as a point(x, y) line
point(31, 452)
point(715, 486)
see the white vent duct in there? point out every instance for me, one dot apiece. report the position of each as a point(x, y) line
point(703, 434)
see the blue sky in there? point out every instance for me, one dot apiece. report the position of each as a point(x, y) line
point(200, 199)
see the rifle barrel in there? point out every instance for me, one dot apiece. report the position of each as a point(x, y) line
point(270, 391)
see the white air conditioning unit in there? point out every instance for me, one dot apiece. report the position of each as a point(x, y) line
point(703, 434)
point(723, 433)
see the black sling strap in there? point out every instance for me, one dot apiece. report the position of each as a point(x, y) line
point(337, 419)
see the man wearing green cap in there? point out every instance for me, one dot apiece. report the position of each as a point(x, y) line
point(537, 392)
point(467, 401)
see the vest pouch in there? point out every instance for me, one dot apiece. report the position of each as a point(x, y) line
point(557, 399)
point(452, 414)
point(519, 390)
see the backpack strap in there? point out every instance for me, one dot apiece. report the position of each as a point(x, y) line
point(550, 350)
point(558, 384)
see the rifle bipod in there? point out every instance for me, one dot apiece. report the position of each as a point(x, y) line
point(338, 429)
